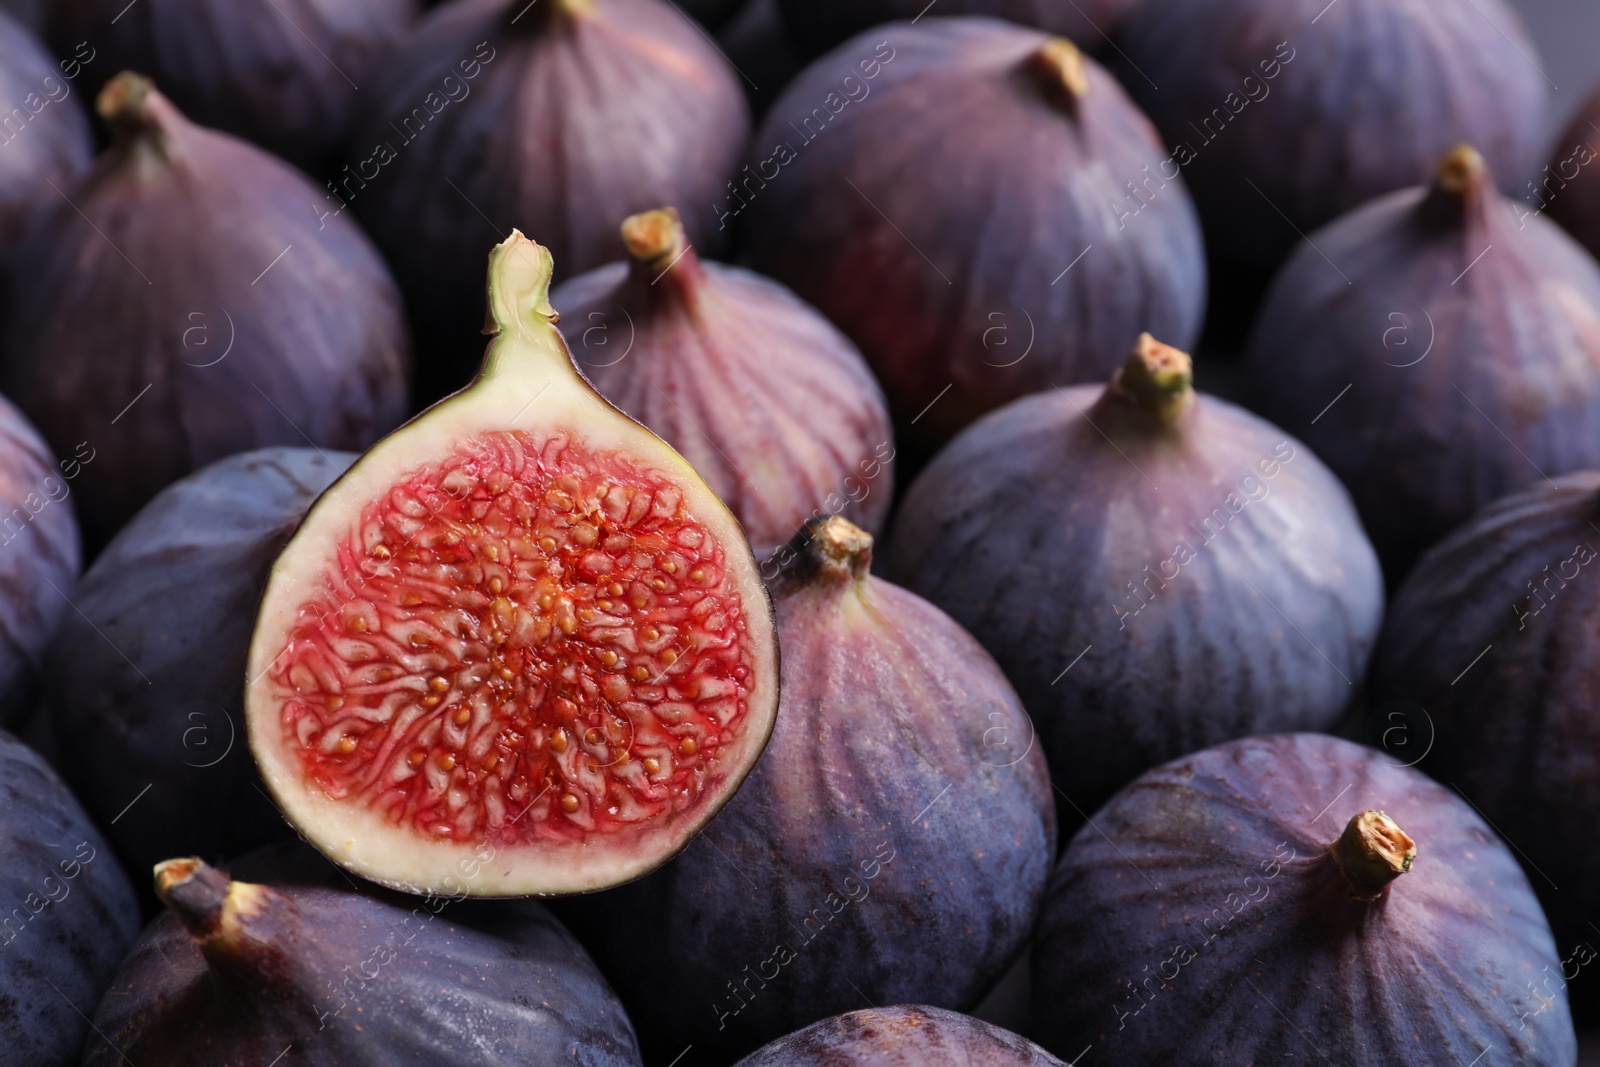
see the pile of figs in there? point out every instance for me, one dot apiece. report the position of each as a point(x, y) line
point(798, 533)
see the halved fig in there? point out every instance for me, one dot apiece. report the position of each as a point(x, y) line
point(520, 622)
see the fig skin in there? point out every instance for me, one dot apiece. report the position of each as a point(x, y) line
point(185, 351)
point(905, 1035)
point(145, 678)
point(1220, 865)
point(579, 114)
point(1364, 102)
point(282, 74)
point(997, 155)
point(1470, 372)
point(1113, 547)
point(236, 972)
point(819, 25)
point(1568, 187)
point(771, 404)
point(894, 838)
point(1519, 734)
point(71, 913)
point(54, 146)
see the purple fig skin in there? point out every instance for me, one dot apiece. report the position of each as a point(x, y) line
point(282, 74)
point(52, 147)
point(1569, 188)
point(39, 557)
point(905, 1035)
point(70, 913)
point(238, 972)
point(935, 218)
point(1220, 865)
point(1469, 372)
point(145, 687)
point(1519, 735)
point(165, 347)
point(771, 404)
point(895, 836)
point(1051, 530)
point(578, 113)
point(819, 25)
point(1314, 110)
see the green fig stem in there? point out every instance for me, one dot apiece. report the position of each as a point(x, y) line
point(661, 260)
point(1157, 379)
point(1372, 852)
point(1060, 70)
point(519, 289)
point(827, 549)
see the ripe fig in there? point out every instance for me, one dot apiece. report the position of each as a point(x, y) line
point(1114, 547)
point(145, 677)
point(950, 252)
point(281, 73)
point(44, 135)
point(1366, 95)
point(70, 913)
point(190, 352)
point(770, 403)
point(821, 24)
point(1467, 340)
point(1406, 939)
point(906, 1035)
point(236, 972)
point(520, 621)
point(560, 118)
point(1488, 656)
point(901, 761)
point(1568, 188)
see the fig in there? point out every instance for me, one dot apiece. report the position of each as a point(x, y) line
point(711, 12)
point(970, 253)
point(1488, 657)
point(906, 1035)
point(1114, 546)
point(1565, 188)
point(191, 352)
point(283, 74)
point(44, 134)
point(559, 118)
point(1215, 912)
point(819, 25)
point(893, 843)
point(1366, 96)
point(238, 972)
point(1438, 373)
point(71, 913)
point(771, 404)
point(145, 683)
point(758, 45)
point(521, 621)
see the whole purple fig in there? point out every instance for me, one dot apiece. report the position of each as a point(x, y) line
point(905, 1035)
point(44, 137)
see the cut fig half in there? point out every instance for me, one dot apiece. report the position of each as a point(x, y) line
point(519, 636)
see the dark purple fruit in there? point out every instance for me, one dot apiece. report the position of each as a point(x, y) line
point(892, 843)
point(70, 913)
point(1115, 547)
point(942, 192)
point(1452, 356)
point(1365, 96)
point(558, 118)
point(763, 396)
point(820, 24)
point(281, 73)
point(711, 12)
point(187, 304)
point(146, 678)
point(759, 45)
point(906, 1035)
point(1568, 187)
point(238, 973)
point(44, 137)
point(1214, 912)
point(1493, 636)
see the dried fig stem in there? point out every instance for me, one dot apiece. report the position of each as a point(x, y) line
point(1157, 378)
point(1372, 852)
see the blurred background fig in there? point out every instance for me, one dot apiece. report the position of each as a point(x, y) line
point(771, 404)
point(238, 972)
point(1452, 356)
point(44, 134)
point(146, 677)
point(557, 118)
point(760, 46)
point(1275, 895)
point(1366, 95)
point(892, 843)
point(1569, 187)
point(821, 24)
point(1155, 570)
point(283, 74)
point(951, 194)
point(905, 1035)
point(162, 347)
point(70, 913)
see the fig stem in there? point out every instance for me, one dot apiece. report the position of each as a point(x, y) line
point(830, 548)
point(1372, 852)
point(1462, 171)
point(660, 254)
point(196, 893)
point(132, 108)
point(1462, 186)
point(1059, 68)
point(1157, 378)
point(519, 288)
